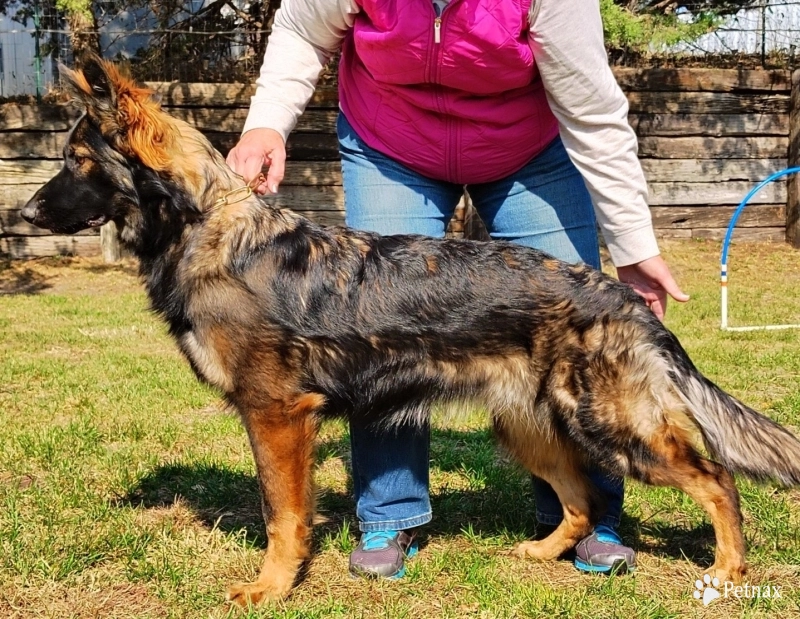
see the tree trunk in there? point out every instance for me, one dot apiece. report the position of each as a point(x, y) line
point(83, 33)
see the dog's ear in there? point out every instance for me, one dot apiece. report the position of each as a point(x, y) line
point(97, 77)
point(91, 85)
point(74, 83)
point(126, 113)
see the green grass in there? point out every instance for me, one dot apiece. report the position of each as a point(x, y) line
point(126, 490)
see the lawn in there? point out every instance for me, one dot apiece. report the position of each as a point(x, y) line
point(127, 490)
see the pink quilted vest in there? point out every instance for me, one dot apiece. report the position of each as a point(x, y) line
point(456, 97)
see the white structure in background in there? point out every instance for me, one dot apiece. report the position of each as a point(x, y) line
point(17, 60)
point(768, 26)
point(121, 35)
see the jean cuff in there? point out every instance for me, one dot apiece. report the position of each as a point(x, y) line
point(395, 525)
point(553, 520)
point(548, 519)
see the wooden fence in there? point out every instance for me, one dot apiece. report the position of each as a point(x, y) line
point(706, 136)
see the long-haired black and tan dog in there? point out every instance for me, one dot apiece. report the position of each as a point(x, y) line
point(295, 322)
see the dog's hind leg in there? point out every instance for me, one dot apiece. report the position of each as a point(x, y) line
point(678, 464)
point(557, 461)
point(282, 438)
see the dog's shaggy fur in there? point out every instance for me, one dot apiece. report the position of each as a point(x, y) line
point(295, 322)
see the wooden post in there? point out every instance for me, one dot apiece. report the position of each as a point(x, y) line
point(793, 160)
point(109, 242)
point(474, 228)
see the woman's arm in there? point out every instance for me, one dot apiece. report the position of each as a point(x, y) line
point(592, 112)
point(304, 35)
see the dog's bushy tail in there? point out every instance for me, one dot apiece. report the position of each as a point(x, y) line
point(738, 437)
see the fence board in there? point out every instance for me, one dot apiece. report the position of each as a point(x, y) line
point(312, 173)
point(16, 196)
point(27, 117)
point(27, 171)
point(742, 235)
point(706, 103)
point(228, 95)
point(37, 171)
point(300, 146)
point(312, 198)
point(298, 197)
point(713, 193)
point(678, 217)
point(17, 116)
point(232, 119)
point(32, 144)
point(768, 147)
point(49, 145)
point(716, 80)
point(36, 246)
point(716, 125)
point(710, 170)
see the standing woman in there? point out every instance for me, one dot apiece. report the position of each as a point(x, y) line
point(512, 99)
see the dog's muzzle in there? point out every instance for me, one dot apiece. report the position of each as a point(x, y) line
point(29, 211)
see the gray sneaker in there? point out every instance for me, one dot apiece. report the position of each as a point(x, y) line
point(383, 554)
point(603, 552)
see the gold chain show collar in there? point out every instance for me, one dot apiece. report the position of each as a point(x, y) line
point(240, 193)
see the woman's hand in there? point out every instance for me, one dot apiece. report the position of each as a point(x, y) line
point(652, 279)
point(255, 149)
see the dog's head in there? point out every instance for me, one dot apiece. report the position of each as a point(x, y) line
point(117, 152)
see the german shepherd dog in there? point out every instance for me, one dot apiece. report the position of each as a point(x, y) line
point(295, 322)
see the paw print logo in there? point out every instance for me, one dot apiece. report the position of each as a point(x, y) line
point(706, 589)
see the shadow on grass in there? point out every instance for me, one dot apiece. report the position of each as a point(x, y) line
point(16, 279)
point(22, 277)
point(127, 266)
point(675, 542)
point(501, 505)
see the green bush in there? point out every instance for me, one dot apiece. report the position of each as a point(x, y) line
point(648, 33)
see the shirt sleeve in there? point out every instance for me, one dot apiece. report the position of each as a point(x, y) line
point(305, 33)
point(592, 111)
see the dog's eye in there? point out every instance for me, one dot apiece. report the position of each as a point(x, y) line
point(79, 160)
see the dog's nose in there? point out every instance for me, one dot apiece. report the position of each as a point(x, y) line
point(28, 212)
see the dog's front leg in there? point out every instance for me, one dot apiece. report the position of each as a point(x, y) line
point(282, 438)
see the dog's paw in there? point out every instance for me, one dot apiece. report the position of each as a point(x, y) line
point(530, 550)
point(732, 573)
point(245, 594)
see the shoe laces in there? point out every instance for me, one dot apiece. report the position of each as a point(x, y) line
point(607, 535)
point(378, 540)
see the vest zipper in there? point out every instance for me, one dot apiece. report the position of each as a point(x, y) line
point(450, 137)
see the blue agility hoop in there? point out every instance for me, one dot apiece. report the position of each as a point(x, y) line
point(723, 274)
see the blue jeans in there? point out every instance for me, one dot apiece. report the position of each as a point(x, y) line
point(543, 205)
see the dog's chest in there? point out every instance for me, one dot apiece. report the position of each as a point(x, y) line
point(217, 313)
point(208, 352)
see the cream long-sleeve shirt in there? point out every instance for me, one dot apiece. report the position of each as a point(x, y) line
point(567, 41)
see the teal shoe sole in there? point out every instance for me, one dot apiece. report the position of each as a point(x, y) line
point(617, 568)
